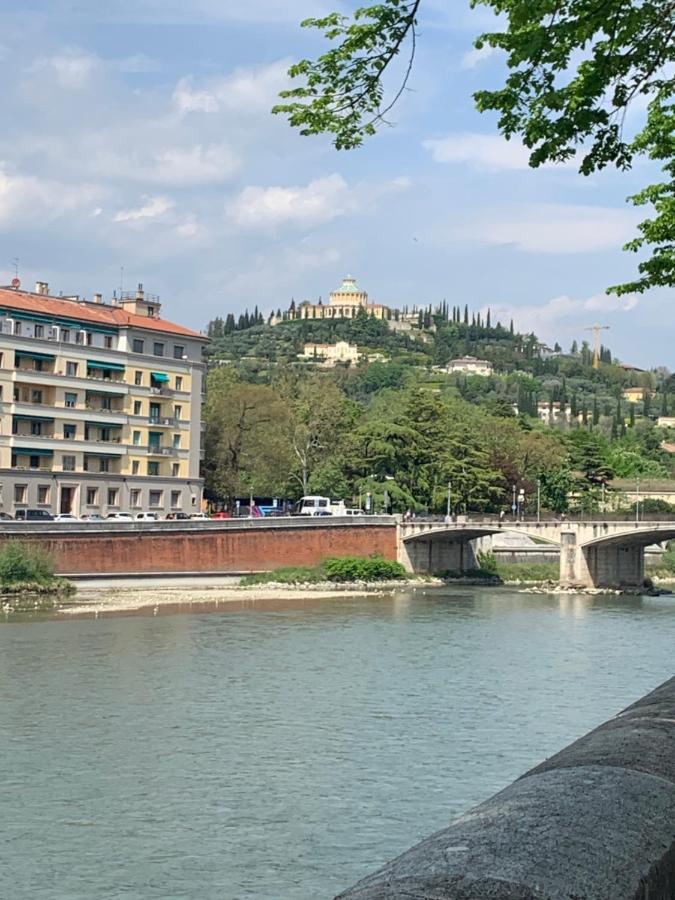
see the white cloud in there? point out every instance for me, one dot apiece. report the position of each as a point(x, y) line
point(484, 151)
point(245, 90)
point(153, 208)
point(561, 315)
point(177, 12)
point(194, 165)
point(320, 201)
point(72, 68)
point(473, 57)
point(28, 199)
point(552, 228)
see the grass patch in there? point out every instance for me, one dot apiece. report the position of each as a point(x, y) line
point(543, 571)
point(337, 569)
point(25, 568)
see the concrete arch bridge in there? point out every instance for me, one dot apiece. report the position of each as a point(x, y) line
point(593, 553)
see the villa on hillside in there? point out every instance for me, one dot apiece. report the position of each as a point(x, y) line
point(470, 365)
point(635, 394)
point(329, 355)
point(343, 303)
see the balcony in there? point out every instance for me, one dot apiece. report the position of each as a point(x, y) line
point(156, 450)
point(167, 421)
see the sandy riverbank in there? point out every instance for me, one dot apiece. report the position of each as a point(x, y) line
point(105, 598)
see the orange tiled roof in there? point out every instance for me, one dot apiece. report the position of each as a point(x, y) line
point(83, 311)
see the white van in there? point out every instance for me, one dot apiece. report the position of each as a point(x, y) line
point(313, 506)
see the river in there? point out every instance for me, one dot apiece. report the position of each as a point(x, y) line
point(281, 753)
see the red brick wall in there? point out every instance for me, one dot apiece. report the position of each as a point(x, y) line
point(211, 550)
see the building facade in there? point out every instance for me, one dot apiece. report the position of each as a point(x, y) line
point(329, 355)
point(100, 405)
point(469, 365)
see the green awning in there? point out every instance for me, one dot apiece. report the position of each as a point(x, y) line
point(25, 451)
point(30, 355)
point(33, 418)
point(106, 366)
point(101, 424)
point(112, 455)
point(159, 376)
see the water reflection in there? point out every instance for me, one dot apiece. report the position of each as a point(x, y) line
point(281, 750)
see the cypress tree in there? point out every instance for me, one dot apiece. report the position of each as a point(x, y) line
point(511, 331)
point(466, 314)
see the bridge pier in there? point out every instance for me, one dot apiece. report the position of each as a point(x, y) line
point(600, 565)
point(428, 556)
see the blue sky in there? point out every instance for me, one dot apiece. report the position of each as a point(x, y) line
point(137, 134)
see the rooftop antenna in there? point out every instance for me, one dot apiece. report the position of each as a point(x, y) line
point(121, 282)
point(16, 281)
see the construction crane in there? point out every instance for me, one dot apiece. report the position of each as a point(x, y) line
point(596, 329)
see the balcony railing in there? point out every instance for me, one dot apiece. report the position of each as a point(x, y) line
point(162, 391)
point(156, 450)
point(163, 420)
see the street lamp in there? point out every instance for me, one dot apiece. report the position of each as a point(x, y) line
point(514, 506)
point(521, 503)
point(637, 499)
point(538, 499)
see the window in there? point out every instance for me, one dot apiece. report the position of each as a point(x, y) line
point(20, 493)
point(136, 438)
point(155, 410)
point(106, 402)
point(68, 463)
point(108, 341)
point(138, 378)
point(158, 349)
point(69, 431)
point(175, 470)
point(65, 335)
point(137, 407)
point(178, 351)
point(134, 467)
point(70, 400)
point(37, 365)
point(92, 496)
point(113, 496)
point(89, 338)
point(71, 368)
point(33, 462)
point(153, 468)
point(36, 396)
point(39, 331)
point(179, 383)
point(36, 428)
point(135, 498)
point(175, 499)
point(155, 498)
point(138, 345)
point(79, 337)
point(43, 493)
point(176, 441)
point(104, 434)
point(104, 465)
point(17, 328)
point(177, 411)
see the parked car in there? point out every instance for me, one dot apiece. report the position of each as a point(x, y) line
point(173, 516)
point(353, 512)
point(33, 515)
point(200, 515)
point(120, 517)
point(66, 517)
point(147, 517)
point(92, 517)
point(6, 517)
point(222, 514)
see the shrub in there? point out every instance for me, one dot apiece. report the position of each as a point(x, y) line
point(357, 568)
point(286, 575)
point(23, 563)
point(487, 561)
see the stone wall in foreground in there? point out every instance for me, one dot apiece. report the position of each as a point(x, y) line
point(594, 822)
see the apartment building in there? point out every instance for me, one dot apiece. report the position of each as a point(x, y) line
point(99, 405)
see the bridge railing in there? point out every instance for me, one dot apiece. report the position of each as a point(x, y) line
point(510, 521)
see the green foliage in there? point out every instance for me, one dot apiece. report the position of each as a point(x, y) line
point(337, 569)
point(21, 563)
point(487, 561)
point(544, 571)
point(653, 505)
point(574, 69)
point(357, 568)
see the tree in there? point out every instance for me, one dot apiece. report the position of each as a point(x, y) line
point(575, 68)
point(246, 447)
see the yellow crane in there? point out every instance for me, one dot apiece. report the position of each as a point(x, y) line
point(596, 329)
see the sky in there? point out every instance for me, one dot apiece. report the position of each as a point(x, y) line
point(138, 146)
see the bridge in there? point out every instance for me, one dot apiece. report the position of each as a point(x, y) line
point(605, 552)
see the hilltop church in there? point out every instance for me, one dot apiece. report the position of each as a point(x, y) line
point(343, 303)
